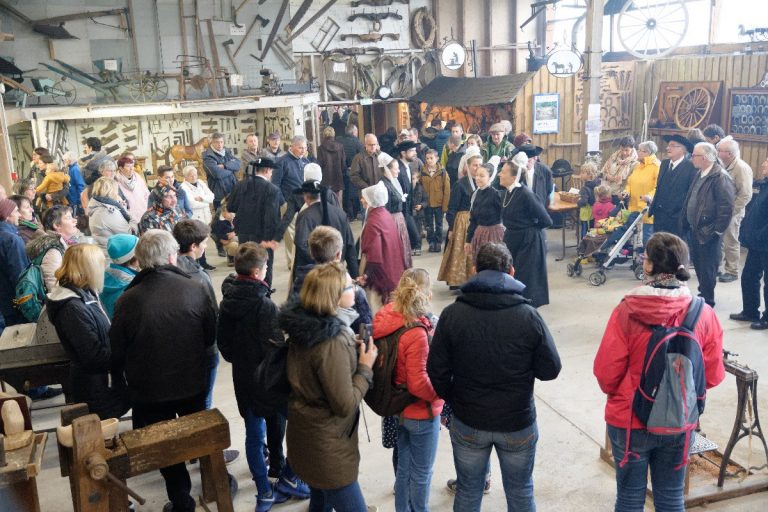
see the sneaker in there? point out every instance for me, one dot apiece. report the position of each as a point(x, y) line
point(760, 325)
point(728, 278)
point(231, 456)
point(416, 252)
point(295, 488)
point(263, 504)
point(453, 485)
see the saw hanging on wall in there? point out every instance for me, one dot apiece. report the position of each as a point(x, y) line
point(378, 3)
point(376, 17)
point(54, 27)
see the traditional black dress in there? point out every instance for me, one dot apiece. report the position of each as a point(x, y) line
point(525, 218)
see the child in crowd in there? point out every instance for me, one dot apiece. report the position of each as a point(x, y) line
point(484, 214)
point(54, 188)
point(589, 181)
point(419, 196)
point(246, 334)
point(603, 205)
point(437, 186)
point(473, 140)
point(223, 228)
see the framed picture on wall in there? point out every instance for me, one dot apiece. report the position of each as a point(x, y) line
point(748, 114)
point(546, 113)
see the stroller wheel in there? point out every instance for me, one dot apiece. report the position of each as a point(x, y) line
point(577, 270)
point(570, 270)
point(639, 274)
point(597, 278)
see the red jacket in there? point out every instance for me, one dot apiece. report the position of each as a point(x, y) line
point(619, 359)
point(602, 209)
point(411, 369)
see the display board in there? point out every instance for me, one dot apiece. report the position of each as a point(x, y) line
point(684, 105)
point(748, 114)
point(616, 86)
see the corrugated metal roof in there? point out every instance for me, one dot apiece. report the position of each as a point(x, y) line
point(470, 91)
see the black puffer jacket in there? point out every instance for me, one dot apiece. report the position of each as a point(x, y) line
point(247, 322)
point(83, 328)
point(488, 348)
point(163, 326)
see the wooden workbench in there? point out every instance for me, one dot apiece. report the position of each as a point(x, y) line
point(18, 485)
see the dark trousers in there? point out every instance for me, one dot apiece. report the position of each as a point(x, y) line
point(755, 268)
point(434, 219)
point(177, 482)
point(275, 436)
point(413, 233)
point(351, 197)
point(418, 219)
point(706, 258)
point(243, 237)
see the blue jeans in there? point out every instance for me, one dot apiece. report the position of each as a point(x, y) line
point(471, 454)
point(662, 454)
point(213, 364)
point(416, 451)
point(255, 431)
point(647, 233)
point(345, 499)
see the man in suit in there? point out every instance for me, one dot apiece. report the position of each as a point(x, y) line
point(705, 216)
point(406, 152)
point(675, 177)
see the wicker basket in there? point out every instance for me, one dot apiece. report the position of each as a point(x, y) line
point(568, 197)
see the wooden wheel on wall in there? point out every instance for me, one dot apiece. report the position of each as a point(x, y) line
point(693, 108)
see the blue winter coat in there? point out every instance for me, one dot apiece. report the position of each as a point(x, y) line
point(116, 280)
point(76, 184)
point(13, 260)
point(221, 180)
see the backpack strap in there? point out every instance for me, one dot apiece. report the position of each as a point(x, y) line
point(694, 312)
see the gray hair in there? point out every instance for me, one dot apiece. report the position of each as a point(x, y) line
point(217, 136)
point(188, 170)
point(107, 165)
point(155, 247)
point(69, 155)
point(709, 150)
point(298, 139)
point(649, 146)
point(731, 146)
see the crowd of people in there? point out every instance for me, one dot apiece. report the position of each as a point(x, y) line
point(111, 250)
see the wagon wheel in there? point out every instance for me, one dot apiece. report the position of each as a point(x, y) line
point(141, 89)
point(650, 29)
point(693, 108)
point(161, 88)
point(63, 92)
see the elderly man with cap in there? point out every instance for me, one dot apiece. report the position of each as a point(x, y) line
point(536, 176)
point(406, 152)
point(256, 202)
point(497, 143)
point(382, 259)
point(273, 149)
point(320, 210)
point(121, 248)
point(162, 213)
point(705, 216)
point(741, 174)
point(676, 174)
point(13, 261)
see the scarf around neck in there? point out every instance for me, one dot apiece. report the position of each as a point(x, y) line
point(130, 183)
point(116, 204)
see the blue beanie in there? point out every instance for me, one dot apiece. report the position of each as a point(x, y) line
point(121, 247)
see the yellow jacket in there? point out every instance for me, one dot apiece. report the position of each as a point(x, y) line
point(437, 188)
point(54, 181)
point(642, 182)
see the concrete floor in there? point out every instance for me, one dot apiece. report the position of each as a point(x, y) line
point(569, 474)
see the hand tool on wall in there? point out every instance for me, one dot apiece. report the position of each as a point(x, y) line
point(376, 17)
point(227, 48)
point(219, 70)
point(311, 21)
point(235, 12)
point(300, 12)
point(273, 32)
point(54, 27)
point(258, 19)
point(325, 34)
point(378, 3)
point(371, 37)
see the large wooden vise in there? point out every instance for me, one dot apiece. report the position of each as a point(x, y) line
point(97, 473)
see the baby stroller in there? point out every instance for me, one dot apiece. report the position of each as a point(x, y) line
point(618, 246)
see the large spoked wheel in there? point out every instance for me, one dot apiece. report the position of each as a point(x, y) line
point(161, 89)
point(650, 29)
point(63, 92)
point(693, 108)
point(597, 278)
point(141, 89)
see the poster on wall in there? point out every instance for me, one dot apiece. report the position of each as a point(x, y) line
point(546, 113)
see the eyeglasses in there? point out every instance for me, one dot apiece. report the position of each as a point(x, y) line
point(349, 287)
point(696, 154)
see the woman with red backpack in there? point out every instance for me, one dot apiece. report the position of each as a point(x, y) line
point(623, 364)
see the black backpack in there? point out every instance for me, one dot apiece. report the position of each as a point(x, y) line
point(385, 397)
